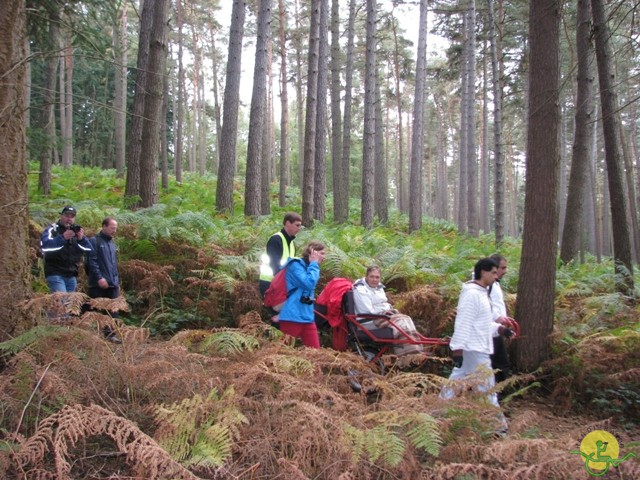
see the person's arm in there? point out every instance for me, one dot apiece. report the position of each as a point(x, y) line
point(50, 243)
point(274, 252)
point(303, 278)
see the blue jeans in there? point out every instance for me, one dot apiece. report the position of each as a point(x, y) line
point(58, 283)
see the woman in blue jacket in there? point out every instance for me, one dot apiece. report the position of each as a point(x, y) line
point(296, 317)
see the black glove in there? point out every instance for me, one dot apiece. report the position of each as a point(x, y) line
point(507, 332)
point(457, 361)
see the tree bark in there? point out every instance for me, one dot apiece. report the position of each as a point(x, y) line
point(231, 102)
point(463, 176)
point(340, 196)
point(252, 187)
point(180, 101)
point(402, 194)
point(164, 144)
point(470, 112)
point(483, 211)
point(417, 140)
point(582, 140)
point(369, 141)
point(47, 117)
point(320, 187)
point(120, 90)
point(498, 174)
point(284, 110)
point(308, 178)
point(615, 168)
point(156, 67)
point(536, 286)
point(66, 128)
point(346, 125)
point(134, 147)
point(15, 273)
point(381, 179)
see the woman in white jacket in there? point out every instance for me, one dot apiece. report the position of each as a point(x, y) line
point(474, 329)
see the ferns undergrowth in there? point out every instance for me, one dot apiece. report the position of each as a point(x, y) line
point(202, 388)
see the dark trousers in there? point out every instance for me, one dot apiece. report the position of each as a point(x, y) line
point(500, 359)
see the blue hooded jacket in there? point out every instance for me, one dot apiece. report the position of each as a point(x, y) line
point(302, 278)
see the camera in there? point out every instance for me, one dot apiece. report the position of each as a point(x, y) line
point(75, 228)
point(306, 300)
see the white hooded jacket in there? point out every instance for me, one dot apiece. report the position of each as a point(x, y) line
point(474, 326)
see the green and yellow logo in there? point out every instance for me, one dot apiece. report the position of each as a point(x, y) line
point(600, 451)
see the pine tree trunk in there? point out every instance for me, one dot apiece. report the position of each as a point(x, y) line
point(340, 196)
point(346, 125)
point(164, 146)
point(253, 179)
point(120, 90)
point(66, 129)
point(216, 102)
point(470, 111)
point(14, 255)
point(381, 179)
point(498, 174)
point(463, 176)
point(417, 140)
point(401, 194)
point(300, 113)
point(536, 286)
point(156, 67)
point(231, 102)
point(369, 141)
point(615, 167)
point(583, 136)
point(180, 102)
point(134, 147)
point(308, 178)
point(320, 187)
point(47, 116)
point(284, 110)
point(484, 150)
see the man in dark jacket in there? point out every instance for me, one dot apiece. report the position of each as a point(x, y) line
point(104, 281)
point(280, 248)
point(63, 245)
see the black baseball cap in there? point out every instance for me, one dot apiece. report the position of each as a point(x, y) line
point(68, 209)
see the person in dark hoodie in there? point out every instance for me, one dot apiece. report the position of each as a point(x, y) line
point(63, 246)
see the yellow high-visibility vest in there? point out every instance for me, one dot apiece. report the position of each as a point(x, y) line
point(288, 251)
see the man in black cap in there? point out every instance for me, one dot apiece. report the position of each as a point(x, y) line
point(63, 245)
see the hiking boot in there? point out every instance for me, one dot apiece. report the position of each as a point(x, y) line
point(110, 335)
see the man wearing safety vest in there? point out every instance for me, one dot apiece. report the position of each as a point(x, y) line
point(279, 249)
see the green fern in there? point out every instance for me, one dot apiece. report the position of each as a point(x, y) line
point(200, 431)
point(143, 249)
point(384, 443)
point(239, 267)
point(230, 341)
point(293, 365)
point(356, 440)
point(211, 448)
point(19, 343)
point(424, 433)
